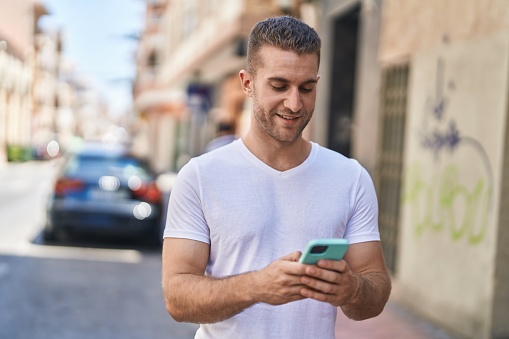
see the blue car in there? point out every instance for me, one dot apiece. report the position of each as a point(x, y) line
point(104, 191)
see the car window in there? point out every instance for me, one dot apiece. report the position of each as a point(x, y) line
point(98, 166)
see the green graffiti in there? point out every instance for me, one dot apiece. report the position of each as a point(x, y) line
point(445, 204)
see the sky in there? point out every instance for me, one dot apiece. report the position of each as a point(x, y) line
point(96, 40)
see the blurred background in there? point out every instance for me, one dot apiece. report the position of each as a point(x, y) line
point(102, 102)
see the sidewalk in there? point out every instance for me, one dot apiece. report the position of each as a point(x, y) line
point(395, 322)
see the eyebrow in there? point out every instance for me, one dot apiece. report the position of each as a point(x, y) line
point(310, 81)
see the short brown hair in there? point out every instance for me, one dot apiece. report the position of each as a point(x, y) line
point(284, 32)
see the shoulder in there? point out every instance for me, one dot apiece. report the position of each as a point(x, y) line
point(214, 162)
point(337, 161)
point(219, 155)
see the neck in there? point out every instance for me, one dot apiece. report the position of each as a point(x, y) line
point(279, 155)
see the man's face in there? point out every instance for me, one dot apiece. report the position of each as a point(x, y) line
point(283, 92)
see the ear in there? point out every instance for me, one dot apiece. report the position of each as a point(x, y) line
point(246, 82)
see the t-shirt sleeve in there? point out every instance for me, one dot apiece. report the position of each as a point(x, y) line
point(363, 224)
point(185, 217)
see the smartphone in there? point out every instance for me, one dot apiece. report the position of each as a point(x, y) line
point(329, 249)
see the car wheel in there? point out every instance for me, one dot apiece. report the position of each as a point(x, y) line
point(48, 235)
point(57, 235)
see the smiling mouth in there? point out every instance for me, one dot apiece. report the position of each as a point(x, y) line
point(288, 117)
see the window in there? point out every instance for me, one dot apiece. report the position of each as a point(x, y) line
point(393, 110)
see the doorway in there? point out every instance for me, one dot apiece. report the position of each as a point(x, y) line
point(345, 29)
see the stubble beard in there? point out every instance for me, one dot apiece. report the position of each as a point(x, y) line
point(267, 122)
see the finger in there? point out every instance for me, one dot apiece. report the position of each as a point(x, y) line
point(292, 256)
point(291, 292)
point(333, 265)
point(316, 295)
point(323, 274)
point(320, 285)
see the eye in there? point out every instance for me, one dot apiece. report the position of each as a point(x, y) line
point(305, 90)
point(278, 88)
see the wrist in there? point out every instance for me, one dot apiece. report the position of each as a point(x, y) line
point(248, 288)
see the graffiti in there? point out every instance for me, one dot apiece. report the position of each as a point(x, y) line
point(436, 141)
point(444, 200)
point(445, 204)
point(438, 138)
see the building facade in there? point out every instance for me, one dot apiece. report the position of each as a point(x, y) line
point(42, 97)
point(16, 70)
point(446, 62)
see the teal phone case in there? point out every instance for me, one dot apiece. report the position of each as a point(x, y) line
point(328, 249)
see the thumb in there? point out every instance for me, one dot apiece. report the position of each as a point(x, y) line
point(294, 256)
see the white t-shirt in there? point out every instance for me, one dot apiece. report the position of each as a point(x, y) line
point(252, 214)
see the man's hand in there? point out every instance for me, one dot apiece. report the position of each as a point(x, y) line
point(360, 283)
point(279, 282)
point(330, 281)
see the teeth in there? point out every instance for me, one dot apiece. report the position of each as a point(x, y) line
point(287, 117)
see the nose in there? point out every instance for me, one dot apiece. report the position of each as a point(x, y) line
point(293, 101)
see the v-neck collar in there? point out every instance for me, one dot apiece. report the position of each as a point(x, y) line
point(266, 168)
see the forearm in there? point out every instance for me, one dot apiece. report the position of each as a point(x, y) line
point(370, 297)
point(201, 299)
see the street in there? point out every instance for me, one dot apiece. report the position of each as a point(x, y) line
point(80, 289)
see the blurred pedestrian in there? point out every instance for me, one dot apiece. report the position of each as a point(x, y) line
point(225, 135)
point(238, 216)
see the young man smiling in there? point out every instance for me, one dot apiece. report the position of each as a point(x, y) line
point(239, 215)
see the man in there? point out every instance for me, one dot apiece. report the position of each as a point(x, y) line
point(240, 215)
